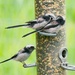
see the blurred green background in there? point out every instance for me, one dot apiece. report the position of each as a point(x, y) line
point(14, 12)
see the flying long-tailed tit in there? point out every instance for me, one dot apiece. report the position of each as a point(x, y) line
point(52, 27)
point(37, 23)
point(22, 54)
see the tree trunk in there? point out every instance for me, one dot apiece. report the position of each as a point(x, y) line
point(47, 47)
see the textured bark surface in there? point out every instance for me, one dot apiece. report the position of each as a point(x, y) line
point(48, 47)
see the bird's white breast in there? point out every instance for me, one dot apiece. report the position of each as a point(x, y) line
point(22, 57)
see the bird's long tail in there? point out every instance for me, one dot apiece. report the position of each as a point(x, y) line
point(32, 32)
point(16, 26)
point(5, 60)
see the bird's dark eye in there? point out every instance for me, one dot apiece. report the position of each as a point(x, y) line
point(51, 18)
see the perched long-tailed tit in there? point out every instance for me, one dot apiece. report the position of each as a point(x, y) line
point(52, 27)
point(55, 25)
point(37, 23)
point(22, 54)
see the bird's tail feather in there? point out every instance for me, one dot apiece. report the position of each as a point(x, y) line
point(5, 60)
point(16, 26)
point(32, 32)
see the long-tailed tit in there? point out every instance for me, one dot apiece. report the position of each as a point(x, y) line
point(37, 23)
point(55, 25)
point(22, 54)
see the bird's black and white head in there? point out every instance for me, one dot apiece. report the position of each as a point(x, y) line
point(49, 17)
point(29, 48)
point(60, 20)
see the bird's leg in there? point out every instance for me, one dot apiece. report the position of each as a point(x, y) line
point(24, 64)
point(28, 65)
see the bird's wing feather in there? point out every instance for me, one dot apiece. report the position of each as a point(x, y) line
point(21, 51)
point(34, 21)
point(51, 26)
point(14, 56)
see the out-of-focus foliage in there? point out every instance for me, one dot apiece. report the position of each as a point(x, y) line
point(14, 12)
point(70, 13)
